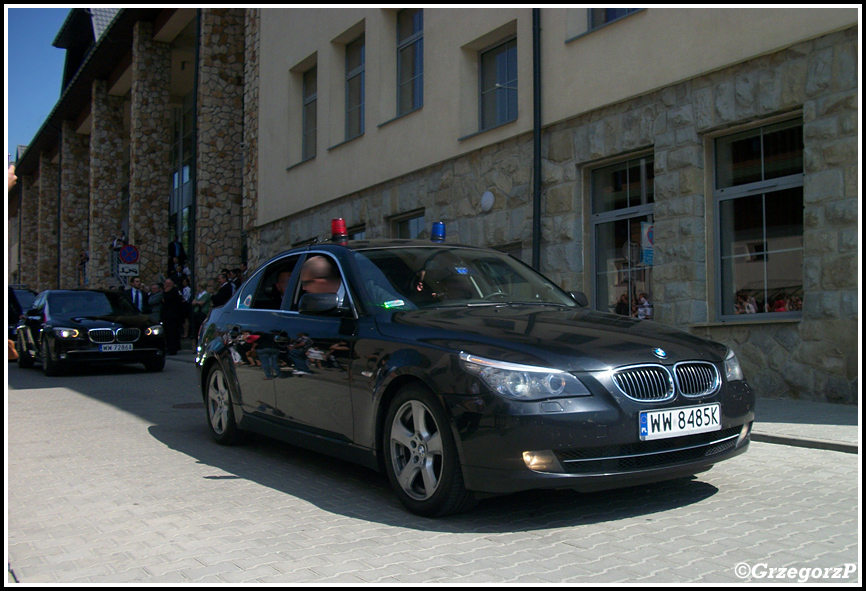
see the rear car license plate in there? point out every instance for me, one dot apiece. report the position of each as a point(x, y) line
point(113, 348)
point(661, 424)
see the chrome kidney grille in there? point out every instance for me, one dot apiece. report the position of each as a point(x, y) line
point(696, 378)
point(654, 383)
point(127, 335)
point(101, 335)
point(645, 383)
point(108, 335)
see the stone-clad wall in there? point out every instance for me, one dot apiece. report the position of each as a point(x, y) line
point(49, 183)
point(251, 118)
point(150, 146)
point(28, 268)
point(818, 356)
point(75, 202)
point(220, 122)
point(812, 358)
point(106, 181)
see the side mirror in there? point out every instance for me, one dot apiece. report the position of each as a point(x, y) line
point(317, 303)
point(580, 298)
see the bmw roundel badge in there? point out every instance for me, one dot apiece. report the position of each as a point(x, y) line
point(660, 353)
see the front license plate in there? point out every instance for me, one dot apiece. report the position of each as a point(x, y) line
point(113, 348)
point(661, 424)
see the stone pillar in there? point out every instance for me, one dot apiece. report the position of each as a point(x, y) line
point(150, 146)
point(220, 121)
point(679, 279)
point(27, 265)
point(106, 181)
point(74, 204)
point(251, 133)
point(47, 223)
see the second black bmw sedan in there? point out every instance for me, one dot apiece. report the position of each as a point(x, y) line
point(66, 327)
point(459, 370)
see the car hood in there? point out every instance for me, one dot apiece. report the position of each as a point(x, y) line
point(88, 322)
point(573, 339)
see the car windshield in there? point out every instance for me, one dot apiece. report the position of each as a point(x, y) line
point(434, 277)
point(89, 303)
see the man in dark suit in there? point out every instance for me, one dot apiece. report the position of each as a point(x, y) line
point(137, 296)
point(175, 250)
point(224, 291)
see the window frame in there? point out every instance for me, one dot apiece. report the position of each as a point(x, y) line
point(396, 221)
point(416, 38)
point(591, 25)
point(503, 45)
point(638, 212)
point(761, 188)
point(306, 101)
point(359, 71)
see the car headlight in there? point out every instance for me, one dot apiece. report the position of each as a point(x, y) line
point(66, 333)
point(733, 371)
point(154, 331)
point(523, 382)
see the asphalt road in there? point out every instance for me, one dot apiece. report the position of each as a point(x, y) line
point(112, 478)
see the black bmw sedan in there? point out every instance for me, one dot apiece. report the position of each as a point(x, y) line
point(66, 327)
point(460, 372)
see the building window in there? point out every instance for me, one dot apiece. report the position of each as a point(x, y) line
point(310, 114)
point(499, 85)
point(410, 60)
point(355, 88)
point(410, 226)
point(602, 16)
point(759, 207)
point(357, 232)
point(622, 219)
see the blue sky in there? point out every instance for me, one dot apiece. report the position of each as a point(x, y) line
point(34, 70)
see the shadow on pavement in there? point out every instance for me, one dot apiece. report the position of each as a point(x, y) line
point(171, 403)
point(347, 489)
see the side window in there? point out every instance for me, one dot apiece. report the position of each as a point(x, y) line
point(320, 274)
point(272, 285)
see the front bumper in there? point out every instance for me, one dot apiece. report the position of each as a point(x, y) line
point(88, 353)
point(594, 441)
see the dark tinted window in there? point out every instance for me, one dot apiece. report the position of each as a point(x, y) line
point(90, 303)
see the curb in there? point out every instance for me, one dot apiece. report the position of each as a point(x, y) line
point(847, 448)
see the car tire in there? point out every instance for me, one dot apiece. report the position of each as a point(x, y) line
point(50, 366)
point(218, 406)
point(420, 455)
point(25, 359)
point(155, 364)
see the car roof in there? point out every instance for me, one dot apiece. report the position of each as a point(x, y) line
point(359, 245)
point(372, 244)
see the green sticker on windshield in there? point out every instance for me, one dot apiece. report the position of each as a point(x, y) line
point(394, 304)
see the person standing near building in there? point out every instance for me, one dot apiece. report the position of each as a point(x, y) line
point(224, 291)
point(201, 306)
point(171, 316)
point(175, 249)
point(154, 302)
point(137, 296)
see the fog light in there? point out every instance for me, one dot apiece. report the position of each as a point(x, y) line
point(542, 461)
